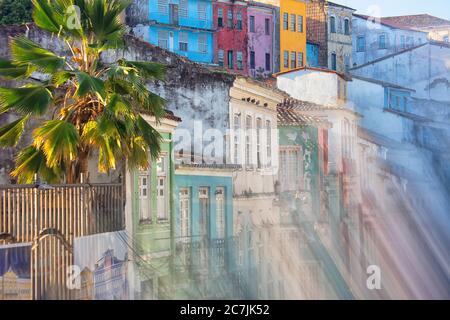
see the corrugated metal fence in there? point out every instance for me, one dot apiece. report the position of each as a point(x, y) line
point(51, 217)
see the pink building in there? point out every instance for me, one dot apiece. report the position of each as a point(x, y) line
point(263, 52)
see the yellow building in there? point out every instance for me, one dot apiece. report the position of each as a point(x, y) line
point(292, 32)
point(14, 288)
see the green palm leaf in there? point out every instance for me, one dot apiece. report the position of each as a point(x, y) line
point(105, 24)
point(149, 70)
point(46, 17)
point(25, 52)
point(31, 161)
point(88, 84)
point(61, 77)
point(59, 140)
point(9, 70)
point(31, 99)
point(150, 135)
point(11, 133)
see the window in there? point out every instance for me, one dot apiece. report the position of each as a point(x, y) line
point(347, 61)
point(361, 44)
point(173, 14)
point(161, 188)
point(163, 6)
point(252, 59)
point(286, 58)
point(291, 168)
point(258, 142)
point(293, 22)
point(293, 59)
point(230, 18)
point(347, 26)
point(201, 7)
point(285, 21)
point(239, 63)
point(163, 39)
point(230, 59)
point(332, 25)
point(239, 21)
point(300, 59)
point(300, 23)
point(220, 58)
point(252, 24)
point(268, 62)
point(145, 196)
point(220, 17)
point(268, 143)
point(333, 61)
point(237, 127)
point(402, 42)
point(409, 42)
point(202, 43)
point(203, 200)
point(220, 212)
point(183, 9)
point(446, 39)
point(248, 140)
point(183, 41)
point(382, 41)
point(267, 26)
point(185, 213)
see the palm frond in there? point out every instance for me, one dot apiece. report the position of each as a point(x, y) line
point(31, 161)
point(148, 70)
point(12, 132)
point(61, 77)
point(151, 136)
point(88, 84)
point(105, 24)
point(25, 52)
point(46, 17)
point(30, 99)
point(9, 70)
point(59, 140)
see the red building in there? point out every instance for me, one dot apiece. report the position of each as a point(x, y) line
point(230, 41)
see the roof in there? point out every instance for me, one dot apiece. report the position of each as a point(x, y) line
point(339, 5)
point(383, 83)
point(289, 113)
point(417, 21)
point(171, 116)
point(305, 68)
point(390, 23)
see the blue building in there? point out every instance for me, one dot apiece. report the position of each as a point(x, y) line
point(181, 26)
point(205, 247)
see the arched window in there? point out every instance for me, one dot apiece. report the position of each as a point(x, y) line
point(347, 26)
point(332, 25)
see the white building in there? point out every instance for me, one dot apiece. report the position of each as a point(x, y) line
point(373, 38)
point(424, 68)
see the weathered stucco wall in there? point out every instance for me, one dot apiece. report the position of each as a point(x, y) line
point(424, 69)
point(371, 32)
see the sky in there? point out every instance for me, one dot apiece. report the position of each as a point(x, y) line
point(439, 8)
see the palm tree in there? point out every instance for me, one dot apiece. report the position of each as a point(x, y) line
point(94, 106)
